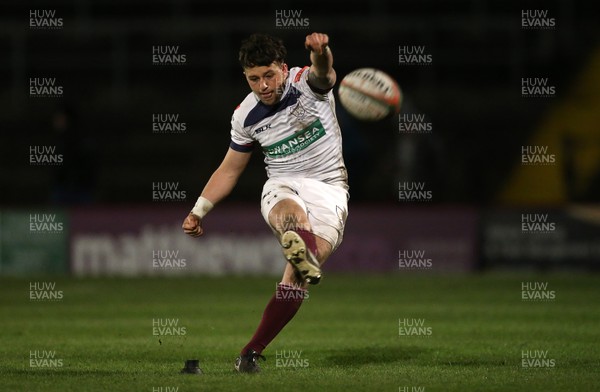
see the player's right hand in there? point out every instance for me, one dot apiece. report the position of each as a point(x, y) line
point(316, 42)
point(192, 225)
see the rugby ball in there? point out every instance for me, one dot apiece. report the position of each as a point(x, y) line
point(370, 94)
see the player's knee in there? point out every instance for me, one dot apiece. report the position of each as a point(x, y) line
point(284, 220)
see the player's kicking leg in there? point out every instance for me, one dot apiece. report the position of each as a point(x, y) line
point(305, 253)
point(304, 237)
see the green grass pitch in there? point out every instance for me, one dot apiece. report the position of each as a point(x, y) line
point(472, 332)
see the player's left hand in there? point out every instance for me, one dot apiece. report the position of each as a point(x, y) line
point(317, 42)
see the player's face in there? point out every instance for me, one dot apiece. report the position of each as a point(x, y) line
point(267, 82)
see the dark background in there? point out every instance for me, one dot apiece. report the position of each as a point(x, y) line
point(103, 123)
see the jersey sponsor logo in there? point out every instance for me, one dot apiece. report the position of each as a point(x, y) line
point(297, 142)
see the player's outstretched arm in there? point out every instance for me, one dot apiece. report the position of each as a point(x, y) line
point(322, 74)
point(219, 186)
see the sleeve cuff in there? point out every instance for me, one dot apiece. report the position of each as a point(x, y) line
point(241, 147)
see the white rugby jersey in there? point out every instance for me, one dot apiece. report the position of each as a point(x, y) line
point(299, 136)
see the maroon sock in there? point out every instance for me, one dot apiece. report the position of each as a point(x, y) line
point(279, 311)
point(309, 240)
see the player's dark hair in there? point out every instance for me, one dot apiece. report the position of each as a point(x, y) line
point(261, 50)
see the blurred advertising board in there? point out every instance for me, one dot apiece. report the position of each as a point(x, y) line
point(561, 238)
point(149, 241)
point(403, 239)
point(33, 242)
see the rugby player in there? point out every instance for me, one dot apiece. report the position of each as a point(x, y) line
point(290, 115)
